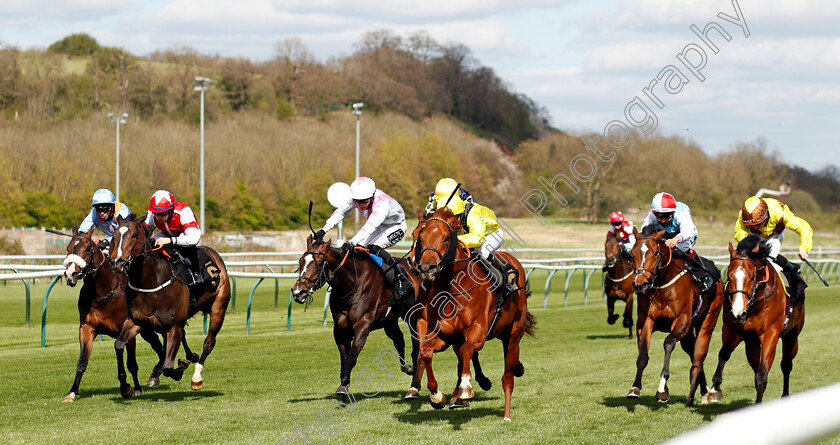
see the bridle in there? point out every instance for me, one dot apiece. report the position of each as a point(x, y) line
point(751, 300)
point(447, 258)
point(87, 269)
point(656, 267)
point(326, 270)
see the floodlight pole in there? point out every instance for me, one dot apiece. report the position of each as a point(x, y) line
point(357, 110)
point(202, 87)
point(118, 120)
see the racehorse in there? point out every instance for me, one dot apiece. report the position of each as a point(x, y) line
point(102, 308)
point(618, 283)
point(358, 303)
point(461, 309)
point(757, 312)
point(670, 301)
point(159, 300)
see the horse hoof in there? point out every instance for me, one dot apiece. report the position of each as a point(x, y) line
point(519, 370)
point(663, 397)
point(466, 393)
point(627, 323)
point(485, 383)
point(612, 318)
point(408, 369)
point(125, 391)
point(634, 393)
point(437, 400)
point(138, 391)
point(196, 385)
point(412, 394)
point(153, 382)
point(70, 398)
point(506, 419)
point(459, 403)
point(711, 397)
point(341, 391)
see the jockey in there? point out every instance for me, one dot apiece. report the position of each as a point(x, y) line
point(680, 233)
point(103, 216)
point(384, 227)
point(623, 230)
point(481, 231)
point(768, 218)
point(177, 226)
point(443, 189)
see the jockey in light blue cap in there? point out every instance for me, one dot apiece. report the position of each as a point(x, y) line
point(104, 213)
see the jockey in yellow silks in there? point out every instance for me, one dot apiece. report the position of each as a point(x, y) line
point(769, 218)
point(481, 231)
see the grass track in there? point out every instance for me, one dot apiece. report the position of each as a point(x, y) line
point(275, 385)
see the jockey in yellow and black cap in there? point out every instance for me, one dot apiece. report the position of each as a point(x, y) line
point(444, 189)
point(768, 218)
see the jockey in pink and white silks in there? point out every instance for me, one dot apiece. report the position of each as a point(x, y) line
point(384, 227)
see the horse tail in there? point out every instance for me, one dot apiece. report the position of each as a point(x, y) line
point(530, 324)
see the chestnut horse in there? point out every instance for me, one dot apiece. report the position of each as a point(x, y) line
point(461, 308)
point(757, 312)
point(670, 301)
point(359, 302)
point(102, 308)
point(158, 300)
point(618, 283)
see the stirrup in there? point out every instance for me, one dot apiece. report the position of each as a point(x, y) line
point(197, 278)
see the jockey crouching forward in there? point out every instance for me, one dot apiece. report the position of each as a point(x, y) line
point(177, 226)
point(768, 218)
point(480, 231)
point(444, 188)
point(623, 230)
point(384, 227)
point(681, 234)
point(103, 216)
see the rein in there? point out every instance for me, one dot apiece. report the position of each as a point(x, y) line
point(319, 281)
point(656, 267)
point(172, 271)
point(85, 273)
point(751, 300)
point(451, 251)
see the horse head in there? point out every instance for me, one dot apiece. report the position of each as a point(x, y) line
point(648, 253)
point(82, 253)
point(743, 275)
point(313, 267)
point(435, 243)
point(611, 250)
point(131, 239)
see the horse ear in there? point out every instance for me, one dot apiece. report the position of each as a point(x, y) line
point(421, 216)
point(658, 235)
point(731, 251)
point(75, 230)
point(635, 232)
point(119, 219)
point(755, 250)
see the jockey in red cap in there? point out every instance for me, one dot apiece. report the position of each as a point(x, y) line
point(177, 226)
point(623, 230)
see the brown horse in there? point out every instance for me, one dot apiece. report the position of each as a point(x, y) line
point(158, 300)
point(461, 307)
point(757, 312)
point(618, 283)
point(358, 303)
point(670, 301)
point(102, 308)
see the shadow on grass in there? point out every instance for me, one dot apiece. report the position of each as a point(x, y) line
point(176, 396)
point(708, 412)
point(608, 336)
point(456, 418)
point(115, 390)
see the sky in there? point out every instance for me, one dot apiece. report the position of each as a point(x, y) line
point(584, 61)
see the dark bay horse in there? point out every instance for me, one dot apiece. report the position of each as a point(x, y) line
point(618, 283)
point(358, 303)
point(460, 309)
point(102, 308)
point(158, 300)
point(670, 301)
point(757, 312)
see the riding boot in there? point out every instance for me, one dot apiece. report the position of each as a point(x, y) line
point(698, 271)
point(509, 274)
point(191, 254)
point(797, 283)
point(391, 271)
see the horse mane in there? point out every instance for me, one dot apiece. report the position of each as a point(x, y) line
point(131, 217)
point(748, 244)
point(649, 230)
point(453, 219)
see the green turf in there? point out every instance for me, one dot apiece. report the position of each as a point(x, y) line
point(274, 384)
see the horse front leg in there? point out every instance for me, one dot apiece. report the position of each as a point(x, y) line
point(424, 364)
point(152, 338)
point(766, 354)
point(361, 331)
point(790, 346)
point(86, 335)
point(392, 330)
point(643, 333)
point(483, 382)
point(343, 339)
point(217, 318)
point(627, 321)
point(131, 348)
point(173, 343)
point(474, 341)
point(611, 316)
point(731, 338)
point(127, 333)
point(679, 330)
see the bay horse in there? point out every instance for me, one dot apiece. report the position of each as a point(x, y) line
point(358, 303)
point(757, 312)
point(461, 306)
point(102, 307)
point(618, 282)
point(670, 301)
point(158, 300)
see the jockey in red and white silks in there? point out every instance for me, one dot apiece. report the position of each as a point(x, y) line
point(385, 224)
point(175, 221)
point(623, 230)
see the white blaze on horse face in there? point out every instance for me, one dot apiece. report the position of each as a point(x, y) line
point(738, 303)
point(644, 249)
point(122, 237)
point(307, 260)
